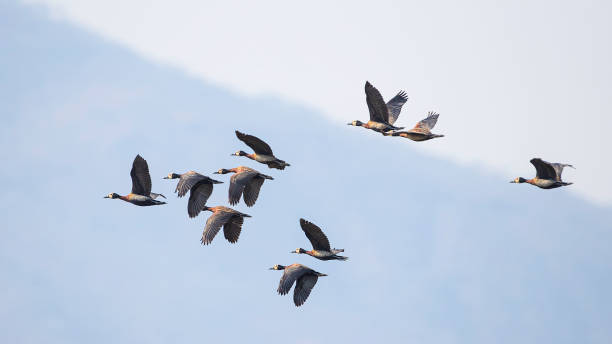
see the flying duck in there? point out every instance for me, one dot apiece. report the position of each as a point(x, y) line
point(245, 181)
point(263, 152)
point(201, 188)
point(382, 116)
point(141, 186)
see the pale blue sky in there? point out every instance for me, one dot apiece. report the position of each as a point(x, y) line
point(439, 252)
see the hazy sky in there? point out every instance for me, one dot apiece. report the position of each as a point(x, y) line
point(439, 253)
point(512, 80)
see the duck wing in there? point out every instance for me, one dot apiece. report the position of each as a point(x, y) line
point(213, 224)
point(251, 190)
point(317, 238)
point(394, 106)
point(376, 104)
point(303, 288)
point(257, 145)
point(425, 125)
point(544, 170)
point(290, 275)
point(141, 180)
point(559, 169)
point(238, 182)
point(198, 197)
point(231, 230)
point(187, 181)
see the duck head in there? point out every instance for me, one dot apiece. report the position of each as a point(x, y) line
point(518, 180)
point(172, 176)
point(299, 250)
point(223, 170)
point(356, 123)
point(277, 267)
point(240, 153)
point(112, 195)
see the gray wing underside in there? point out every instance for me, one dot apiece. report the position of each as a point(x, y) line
point(213, 225)
point(394, 106)
point(303, 288)
point(238, 183)
point(198, 197)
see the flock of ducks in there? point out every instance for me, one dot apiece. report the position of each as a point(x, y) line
point(246, 183)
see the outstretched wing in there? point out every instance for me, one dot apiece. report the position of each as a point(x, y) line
point(238, 182)
point(317, 238)
point(231, 230)
point(290, 275)
point(559, 169)
point(251, 191)
point(257, 145)
point(198, 197)
point(425, 125)
point(187, 181)
point(376, 104)
point(213, 224)
point(141, 180)
point(394, 106)
point(303, 288)
point(544, 170)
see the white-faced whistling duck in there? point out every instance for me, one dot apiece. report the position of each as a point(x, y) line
point(245, 181)
point(320, 244)
point(421, 131)
point(306, 279)
point(141, 186)
point(201, 188)
point(263, 152)
point(548, 175)
point(230, 219)
point(382, 116)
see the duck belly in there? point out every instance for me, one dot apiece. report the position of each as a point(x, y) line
point(546, 183)
point(378, 126)
point(264, 158)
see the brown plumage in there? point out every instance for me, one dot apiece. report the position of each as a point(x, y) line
point(230, 219)
point(421, 131)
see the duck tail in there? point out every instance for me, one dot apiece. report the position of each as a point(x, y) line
point(341, 258)
point(265, 176)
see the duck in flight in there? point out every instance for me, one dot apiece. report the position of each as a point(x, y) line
point(263, 152)
point(304, 278)
point(231, 220)
point(548, 175)
point(245, 182)
point(141, 186)
point(421, 131)
point(382, 116)
point(320, 244)
point(201, 188)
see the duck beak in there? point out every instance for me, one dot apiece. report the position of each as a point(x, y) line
point(216, 172)
point(166, 177)
point(292, 252)
point(349, 123)
point(106, 197)
point(270, 268)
